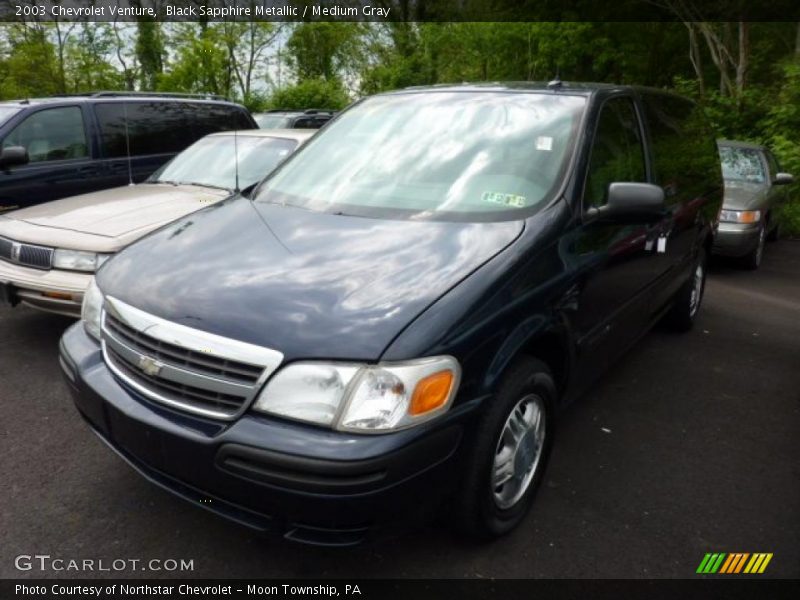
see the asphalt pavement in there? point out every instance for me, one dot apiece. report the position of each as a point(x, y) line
point(689, 445)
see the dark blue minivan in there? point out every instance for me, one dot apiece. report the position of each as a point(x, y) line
point(63, 146)
point(390, 322)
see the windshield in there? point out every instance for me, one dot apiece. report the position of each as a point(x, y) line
point(742, 164)
point(271, 121)
point(441, 155)
point(211, 162)
point(6, 112)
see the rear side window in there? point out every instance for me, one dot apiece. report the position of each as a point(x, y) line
point(51, 134)
point(153, 127)
point(211, 118)
point(617, 151)
point(685, 158)
point(310, 122)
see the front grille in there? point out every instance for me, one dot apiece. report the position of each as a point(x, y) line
point(196, 361)
point(5, 248)
point(29, 255)
point(182, 367)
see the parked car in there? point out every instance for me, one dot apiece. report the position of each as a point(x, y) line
point(754, 186)
point(48, 253)
point(393, 320)
point(280, 118)
point(57, 147)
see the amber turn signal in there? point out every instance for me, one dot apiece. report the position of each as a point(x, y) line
point(431, 393)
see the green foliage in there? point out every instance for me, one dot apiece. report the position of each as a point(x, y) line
point(311, 93)
point(30, 68)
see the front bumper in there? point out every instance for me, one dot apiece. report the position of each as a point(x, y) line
point(306, 483)
point(735, 239)
point(53, 291)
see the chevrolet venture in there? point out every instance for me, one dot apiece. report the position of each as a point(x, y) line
point(67, 145)
point(392, 320)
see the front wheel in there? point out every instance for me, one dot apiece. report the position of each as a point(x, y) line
point(687, 301)
point(507, 460)
point(752, 260)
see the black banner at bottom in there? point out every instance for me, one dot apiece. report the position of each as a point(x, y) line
point(415, 589)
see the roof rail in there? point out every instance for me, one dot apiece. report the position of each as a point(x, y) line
point(106, 94)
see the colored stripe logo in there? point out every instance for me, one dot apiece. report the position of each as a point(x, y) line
point(735, 562)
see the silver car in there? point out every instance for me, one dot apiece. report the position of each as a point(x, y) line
point(754, 185)
point(49, 252)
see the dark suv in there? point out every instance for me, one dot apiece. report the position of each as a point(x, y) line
point(280, 118)
point(63, 146)
point(394, 317)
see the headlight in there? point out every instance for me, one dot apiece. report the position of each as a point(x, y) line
point(77, 260)
point(363, 398)
point(92, 309)
point(740, 216)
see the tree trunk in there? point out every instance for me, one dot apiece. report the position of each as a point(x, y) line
point(744, 55)
point(696, 58)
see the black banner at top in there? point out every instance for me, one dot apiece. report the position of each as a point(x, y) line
point(398, 10)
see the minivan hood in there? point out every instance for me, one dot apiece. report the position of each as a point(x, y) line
point(125, 212)
point(308, 284)
point(740, 195)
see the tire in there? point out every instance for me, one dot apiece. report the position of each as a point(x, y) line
point(752, 260)
point(484, 510)
point(688, 299)
point(775, 234)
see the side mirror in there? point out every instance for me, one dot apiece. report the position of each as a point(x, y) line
point(13, 155)
point(631, 200)
point(783, 179)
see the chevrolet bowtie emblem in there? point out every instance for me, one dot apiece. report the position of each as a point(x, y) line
point(150, 366)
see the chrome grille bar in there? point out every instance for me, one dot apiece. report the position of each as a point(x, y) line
point(183, 367)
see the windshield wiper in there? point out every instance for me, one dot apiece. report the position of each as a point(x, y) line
point(205, 185)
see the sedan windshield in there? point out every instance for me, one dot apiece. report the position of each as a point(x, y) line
point(211, 161)
point(742, 164)
point(435, 155)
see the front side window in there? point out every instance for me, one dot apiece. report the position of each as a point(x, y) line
point(471, 156)
point(617, 151)
point(51, 134)
point(742, 164)
point(212, 161)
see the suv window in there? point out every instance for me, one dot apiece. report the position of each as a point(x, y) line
point(211, 118)
point(51, 134)
point(310, 122)
point(153, 127)
point(617, 151)
point(685, 156)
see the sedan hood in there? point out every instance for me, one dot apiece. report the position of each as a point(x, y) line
point(741, 195)
point(123, 214)
point(308, 284)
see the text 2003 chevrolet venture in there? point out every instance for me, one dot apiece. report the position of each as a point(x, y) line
point(393, 319)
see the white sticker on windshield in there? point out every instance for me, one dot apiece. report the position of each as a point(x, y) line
point(505, 199)
point(544, 142)
point(283, 153)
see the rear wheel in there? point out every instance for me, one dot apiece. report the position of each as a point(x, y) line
point(688, 299)
point(507, 460)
